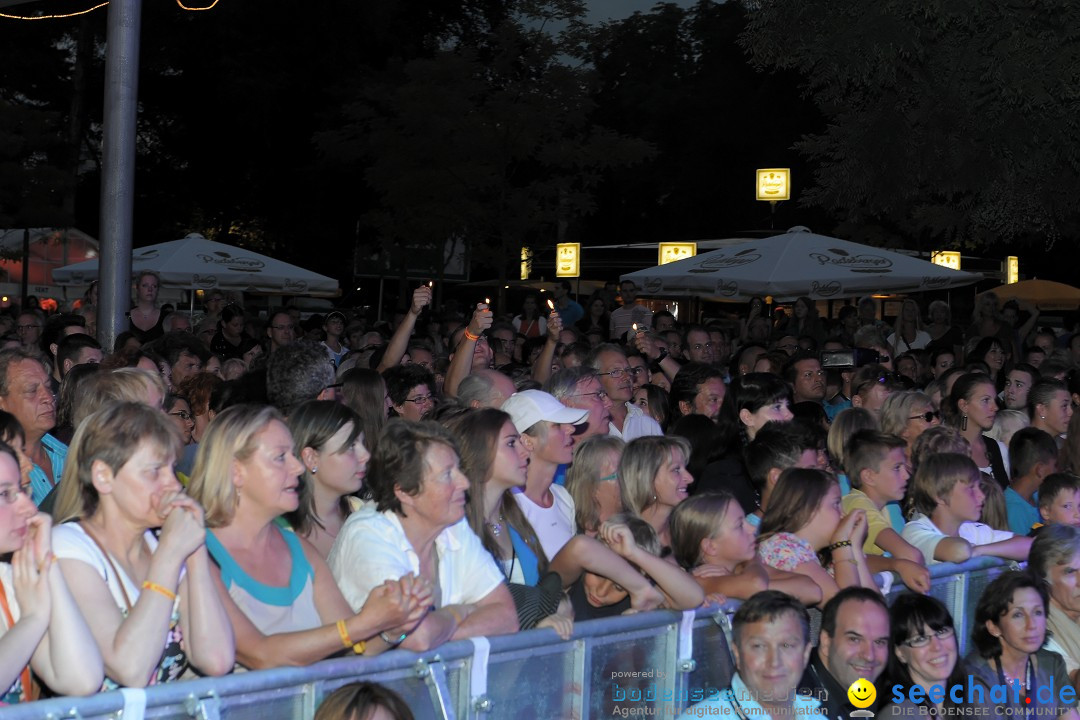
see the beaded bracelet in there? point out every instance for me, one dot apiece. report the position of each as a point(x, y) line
point(147, 585)
point(837, 545)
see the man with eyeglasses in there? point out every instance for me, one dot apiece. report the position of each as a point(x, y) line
point(580, 388)
point(854, 644)
point(280, 330)
point(28, 327)
point(628, 421)
point(699, 346)
point(803, 372)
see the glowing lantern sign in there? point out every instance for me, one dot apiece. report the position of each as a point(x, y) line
point(1012, 269)
point(774, 184)
point(946, 258)
point(568, 260)
point(672, 252)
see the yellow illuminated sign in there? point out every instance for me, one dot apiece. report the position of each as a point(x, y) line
point(526, 262)
point(674, 251)
point(946, 258)
point(1012, 269)
point(568, 260)
point(774, 184)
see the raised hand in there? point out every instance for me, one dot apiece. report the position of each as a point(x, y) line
point(481, 319)
point(421, 298)
point(619, 538)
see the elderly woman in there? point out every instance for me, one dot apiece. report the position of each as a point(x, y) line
point(907, 414)
point(1009, 634)
point(1055, 559)
point(416, 524)
point(275, 587)
point(148, 598)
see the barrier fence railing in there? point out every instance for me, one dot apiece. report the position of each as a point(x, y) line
point(652, 664)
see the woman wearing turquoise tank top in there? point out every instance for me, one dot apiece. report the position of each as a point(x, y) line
point(279, 594)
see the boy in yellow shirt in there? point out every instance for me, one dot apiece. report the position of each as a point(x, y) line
point(878, 470)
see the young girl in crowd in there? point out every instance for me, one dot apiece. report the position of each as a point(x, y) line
point(945, 504)
point(804, 519)
point(42, 628)
point(595, 596)
point(593, 482)
point(653, 480)
point(495, 461)
point(712, 539)
point(971, 409)
point(328, 440)
point(755, 399)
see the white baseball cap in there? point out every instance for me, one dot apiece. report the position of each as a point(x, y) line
point(528, 407)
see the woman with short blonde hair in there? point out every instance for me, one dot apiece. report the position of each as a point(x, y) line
point(278, 592)
point(653, 479)
point(139, 592)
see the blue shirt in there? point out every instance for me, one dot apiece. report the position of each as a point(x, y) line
point(570, 314)
point(1022, 514)
point(40, 483)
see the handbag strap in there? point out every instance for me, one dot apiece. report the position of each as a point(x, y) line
point(108, 559)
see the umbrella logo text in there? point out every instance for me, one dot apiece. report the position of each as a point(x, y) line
point(237, 264)
point(825, 289)
point(727, 289)
point(712, 264)
point(855, 263)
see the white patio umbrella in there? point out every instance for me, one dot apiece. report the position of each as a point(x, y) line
point(795, 264)
point(200, 264)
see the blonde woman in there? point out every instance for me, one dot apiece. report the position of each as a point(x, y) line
point(654, 479)
point(908, 333)
point(593, 482)
point(283, 603)
point(149, 599)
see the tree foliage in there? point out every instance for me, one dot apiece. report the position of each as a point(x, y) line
point(952, 121)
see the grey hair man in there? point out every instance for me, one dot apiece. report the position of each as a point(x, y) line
point(299, 372)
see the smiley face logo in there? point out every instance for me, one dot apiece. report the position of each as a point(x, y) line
point(862, 693)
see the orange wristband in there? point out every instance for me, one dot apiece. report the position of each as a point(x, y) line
point(161, 590)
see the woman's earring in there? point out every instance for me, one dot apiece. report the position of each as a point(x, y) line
point(314, 469)
point(963, 422)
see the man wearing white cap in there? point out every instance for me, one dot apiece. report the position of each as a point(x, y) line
point(547, 430)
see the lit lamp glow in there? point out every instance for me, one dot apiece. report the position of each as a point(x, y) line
point(675, 251)
point(774, 184)
point(946, 258)
point(568, 260)
point(1012, 269)
point(526, 262)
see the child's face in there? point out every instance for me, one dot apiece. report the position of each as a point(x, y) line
point(965, 500)
point(825, 520)
point(601, 592)
point(734, 537)
point(889, 479)
point(1064, 510)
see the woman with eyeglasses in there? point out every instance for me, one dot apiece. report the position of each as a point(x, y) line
point(971, 408)
point(1009, 634)
point(925, 655)
point(907, 414)
point(412, 391)
point(179, 412)
point(593, 482)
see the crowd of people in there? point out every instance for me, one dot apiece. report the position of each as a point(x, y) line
point(228, 491)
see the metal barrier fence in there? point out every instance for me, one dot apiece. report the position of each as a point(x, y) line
point(652, 664)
